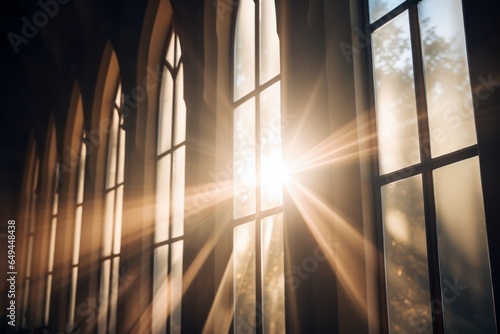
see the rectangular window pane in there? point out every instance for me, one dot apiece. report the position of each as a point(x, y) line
point(379, 8)
point(244, 159)
point(48, 292)
point(271, 164)
point(160, 290)
point(176, 287)
point(121, 157)
point(112, 151)
point(395, 96)
point(72, 296)
point(244, 51)
point(273, 275)
point(269, 50)
point(115, 278)
point(171, 50)
point(244, 278)
point(166, 107)
point(109, 206)
point(117, 233)
point(449, 98)
point(180, 108)
point(52, 243)
point(162, 199)
point(103, 297)
point(178, 186)
point(405, 250)
point(81, 174)
point(463, 251)
point(77, 234)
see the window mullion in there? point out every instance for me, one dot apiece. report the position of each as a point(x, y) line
point(427, 176)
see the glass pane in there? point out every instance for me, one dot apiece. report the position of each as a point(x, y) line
point(244, 159)
point(379, 8)
point(72, 296)
point(273, 275)
point(244, 278)
point(29, 256)
point(52, 244)
point(109, 206)
point(160, 290)
point(449, 98)
point(395, 96)
point(171, 50)
point(166, 105)
point(244, 51)
point(121, 157)
point(77, 234)
point(114, 295)
point(117, 233)
point(177, 50)
point(55, 202)
point(162, 199)
point(178, 185)
point(48, 292)
point(118, 96)
point(103, 297)
point(176, 288)
point(271, 164)
point(180, 109)
point(81, 174)
point(405, 250)
point(463, 251)
point(112, 151)
point(269, 50)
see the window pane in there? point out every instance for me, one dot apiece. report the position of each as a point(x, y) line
point(244, 278)
point(271, 163)
point(180, 109)
point(269, 42)
point(273, 275)
point(108, 223)
point(121, 156)
point(178, 186)
point(464, 261)
point(244, 70)
point(112, 150)
point(162, 199)
point(449, 98)
point(171, 50)
point(395, 96)
point(177, 50)
point(117, 234)
point(160, 290)
point(379, 8)
point(72, 296)
point(81, 174)
point(176, 287)
point(244, 159)
point(77, 235)
point(52, 243)
point(165, 118)
point(405, 250)
point(48, 292)
point(103, 297)
point(114, 295)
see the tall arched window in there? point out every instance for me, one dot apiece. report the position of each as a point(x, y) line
point(170, 187)
point(52, 241)
point(113, 208)
point(258, 172)
point(80, 181)
point(30, 214)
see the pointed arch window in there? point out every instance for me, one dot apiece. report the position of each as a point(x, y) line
point(170, 188)
point(258, 256)
point(113, 208)
point(52, 242)
point(80, 182)
point(31, 206)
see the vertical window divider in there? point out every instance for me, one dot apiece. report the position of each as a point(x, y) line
point(258, 251)
point(427, 177)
